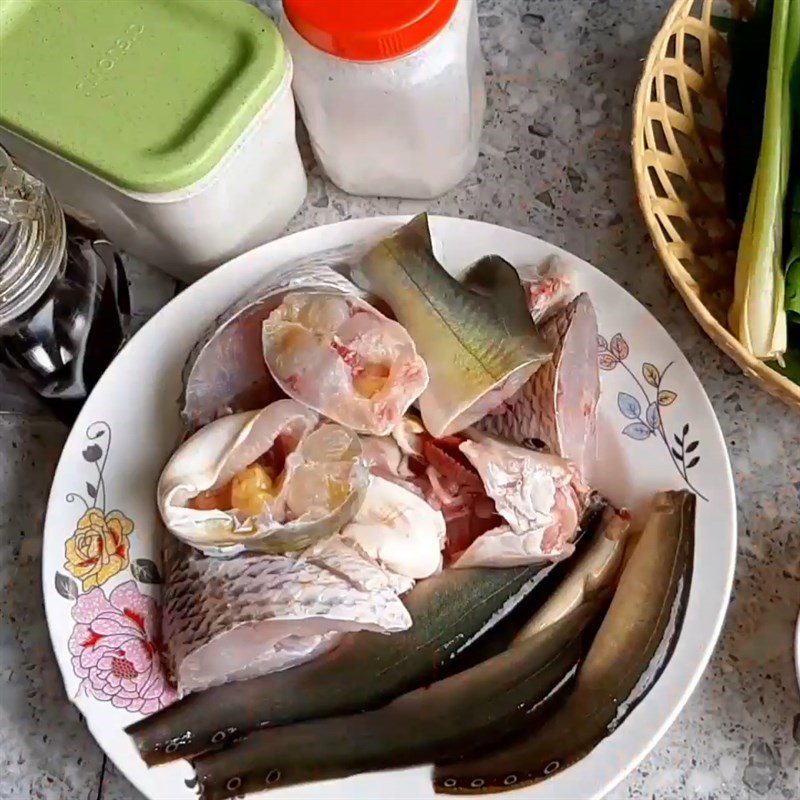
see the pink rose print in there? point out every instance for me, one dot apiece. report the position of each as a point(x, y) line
point(116, 649)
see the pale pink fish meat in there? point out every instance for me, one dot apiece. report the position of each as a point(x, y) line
point(547, 291)
point(557, 408)
point(225, 372)
point(229, 620)
point(539, 496)
point(444, 477)
point(383, 455)
point(339, 355)
point(386, 460)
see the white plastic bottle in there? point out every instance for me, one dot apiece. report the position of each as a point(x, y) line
point(392, 93)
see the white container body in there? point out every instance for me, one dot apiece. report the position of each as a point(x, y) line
point(246, 200)
point(407, 127)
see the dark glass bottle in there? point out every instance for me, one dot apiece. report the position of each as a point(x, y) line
point(63, 295)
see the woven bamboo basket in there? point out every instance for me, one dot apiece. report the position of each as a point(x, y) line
point(678, 165)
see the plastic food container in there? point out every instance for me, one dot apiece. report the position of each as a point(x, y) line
point(169, 123)
point(392, 93)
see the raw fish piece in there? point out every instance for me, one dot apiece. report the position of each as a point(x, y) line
point(217, 494)
point(386, 460)
point(383, 455)
point(510, 505)
point(534, 493)
point(547, 290)
point(233, 619)
point(497, 280)
point(225, 372)
point(452, 717)
point(337, 354)
point(477, 354)
point(366, 670)
point(398, 530)
point(538, 292)
point(455, 486)
point(557, 407)
point(447, 481)
point(631, 649)
point(443, 720)
point(598, 565)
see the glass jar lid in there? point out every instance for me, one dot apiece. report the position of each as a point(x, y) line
point(33, 239)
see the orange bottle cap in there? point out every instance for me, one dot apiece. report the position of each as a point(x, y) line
point(368, 30)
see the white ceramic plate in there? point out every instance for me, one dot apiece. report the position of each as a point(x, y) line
point(103, 619)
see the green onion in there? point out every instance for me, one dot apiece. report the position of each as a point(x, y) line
point(793, 259)
point(757, 316)
point(793, 200)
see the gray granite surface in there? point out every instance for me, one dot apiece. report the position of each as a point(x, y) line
point(555, 161)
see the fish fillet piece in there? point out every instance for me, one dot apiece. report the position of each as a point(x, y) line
point(535, 495)
point(225, 372)
point(398, 530)
point(557, 407)
point(339, 355)
point(477, 353)
point(630, 650)
point(234, 619)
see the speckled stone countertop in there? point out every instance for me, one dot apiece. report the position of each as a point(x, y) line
point(555, 161)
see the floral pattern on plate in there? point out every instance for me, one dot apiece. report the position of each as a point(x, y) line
point(615, 353)
point(116, 649)
point(99, 548)
point(115, 643)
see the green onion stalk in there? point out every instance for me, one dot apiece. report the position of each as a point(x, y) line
point(793, 208)
point(758, 316)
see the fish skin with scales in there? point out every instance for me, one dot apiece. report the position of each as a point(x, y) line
point(477, 354)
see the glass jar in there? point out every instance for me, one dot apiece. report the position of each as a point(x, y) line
point(63, 295)
point(392, 94)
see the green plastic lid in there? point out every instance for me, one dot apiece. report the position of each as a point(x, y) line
point(147, 94)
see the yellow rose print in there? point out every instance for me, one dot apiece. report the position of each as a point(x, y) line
point(99, 548)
